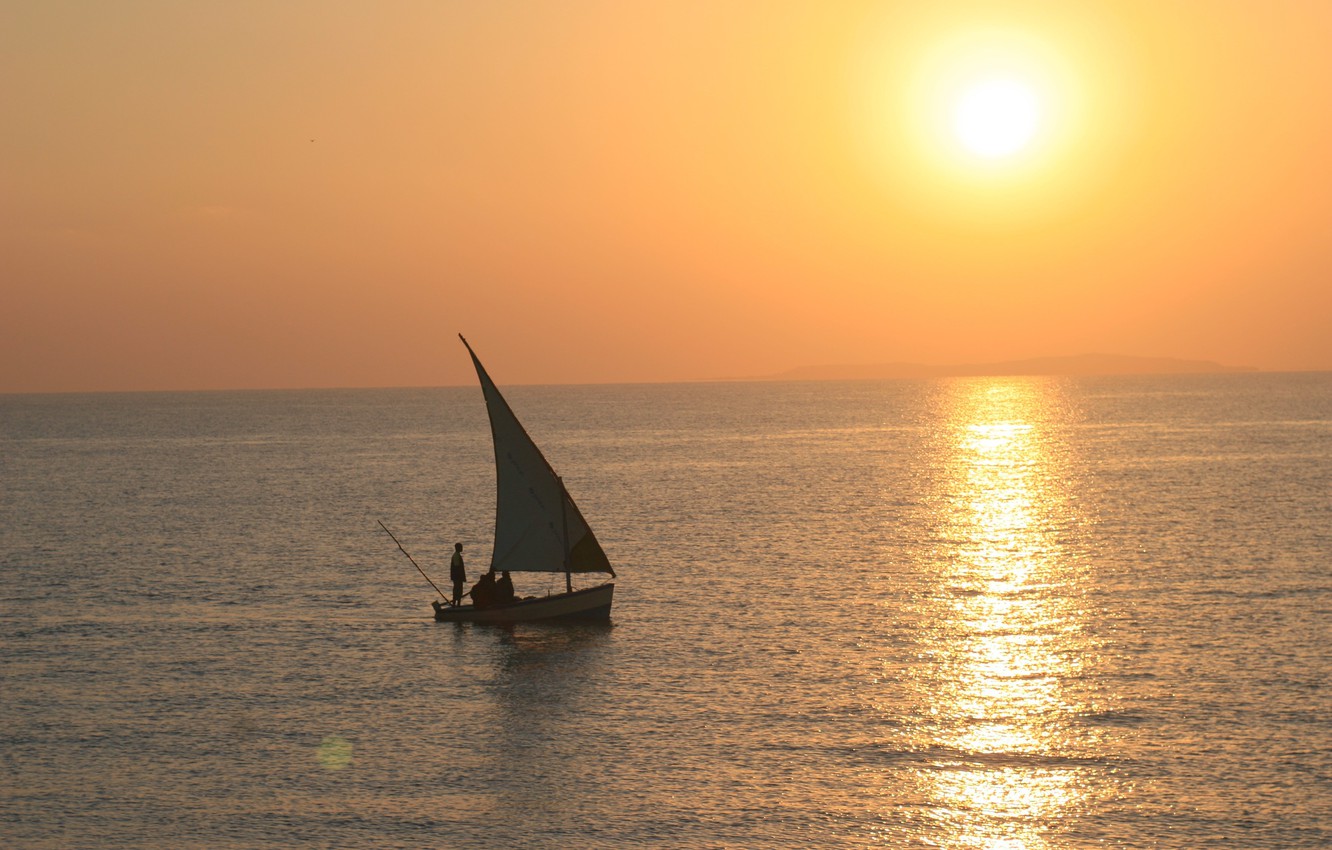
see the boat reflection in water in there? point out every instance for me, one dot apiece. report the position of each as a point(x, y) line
point(1005, 628)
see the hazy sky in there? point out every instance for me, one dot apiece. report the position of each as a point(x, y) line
point(302, 193)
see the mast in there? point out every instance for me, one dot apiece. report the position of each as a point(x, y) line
point(564, 523)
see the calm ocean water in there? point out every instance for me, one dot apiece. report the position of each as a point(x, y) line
point(993, 613)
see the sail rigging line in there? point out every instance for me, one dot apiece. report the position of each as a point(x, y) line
point(414, 564)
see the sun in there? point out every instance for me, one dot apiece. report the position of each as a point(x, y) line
point(996, 117)
point(988, 123)
point(989, 106)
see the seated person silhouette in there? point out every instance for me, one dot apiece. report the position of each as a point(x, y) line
point(483, 592)
point(504, 589)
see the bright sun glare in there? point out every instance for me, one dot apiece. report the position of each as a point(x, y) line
point(991, 107)
point(996, 117)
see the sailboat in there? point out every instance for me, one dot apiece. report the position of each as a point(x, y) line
point(538, 528)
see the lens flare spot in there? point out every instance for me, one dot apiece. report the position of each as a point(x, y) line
point(335, 753)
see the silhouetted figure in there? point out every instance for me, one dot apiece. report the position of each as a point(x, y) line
point(457, 573)
point(483, 592)
point(504, 589)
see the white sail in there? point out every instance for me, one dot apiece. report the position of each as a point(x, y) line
point(538, 528)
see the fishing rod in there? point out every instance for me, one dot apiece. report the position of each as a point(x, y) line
point(414, 564)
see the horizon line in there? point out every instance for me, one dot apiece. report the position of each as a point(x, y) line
point(799, 374)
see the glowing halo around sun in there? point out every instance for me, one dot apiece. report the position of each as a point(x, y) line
point(985, 109)
point(991, 102)
point(988, 125)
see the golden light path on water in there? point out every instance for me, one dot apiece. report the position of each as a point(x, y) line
point(1007, 621)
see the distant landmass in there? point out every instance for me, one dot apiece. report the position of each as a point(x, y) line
point(1082, 364)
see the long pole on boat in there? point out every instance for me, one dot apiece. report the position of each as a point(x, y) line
point(413, 560)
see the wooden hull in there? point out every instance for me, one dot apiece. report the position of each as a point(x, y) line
point(594, 603)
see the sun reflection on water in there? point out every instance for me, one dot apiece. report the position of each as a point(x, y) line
point(1006, 626)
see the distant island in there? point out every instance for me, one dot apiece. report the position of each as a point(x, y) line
point(1082, 364)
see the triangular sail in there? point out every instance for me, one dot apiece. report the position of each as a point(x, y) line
point(538, 528)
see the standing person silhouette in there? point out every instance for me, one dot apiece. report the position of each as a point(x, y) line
point(457, 573)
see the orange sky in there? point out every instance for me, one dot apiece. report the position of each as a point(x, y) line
point(316, 193)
